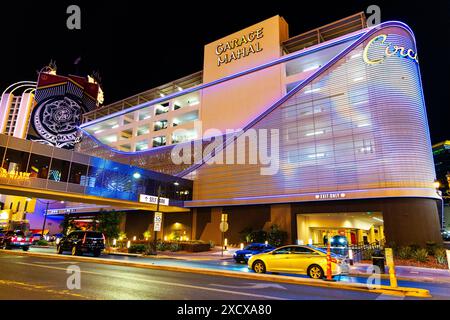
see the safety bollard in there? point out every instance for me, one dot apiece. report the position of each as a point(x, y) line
point(329, 273)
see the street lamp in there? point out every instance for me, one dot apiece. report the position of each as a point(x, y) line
point(45, 216)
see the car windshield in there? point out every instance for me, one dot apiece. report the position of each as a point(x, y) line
point(253, 247)
point(94, 235)
point(325, 251)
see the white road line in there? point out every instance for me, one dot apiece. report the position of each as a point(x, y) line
point(58, 262)
point(162, 282)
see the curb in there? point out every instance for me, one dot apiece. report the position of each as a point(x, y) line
point(402, 291)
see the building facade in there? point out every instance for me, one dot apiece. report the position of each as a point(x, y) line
point(339, 106)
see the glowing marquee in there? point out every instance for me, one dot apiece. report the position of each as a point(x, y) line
point(391, 50)
point(14, 174)
point(242, 46)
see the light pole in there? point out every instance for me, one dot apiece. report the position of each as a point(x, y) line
point(45, 217)
point(155, 252)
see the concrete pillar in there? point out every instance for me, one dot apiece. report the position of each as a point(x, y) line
point(381, 232)
point(194, 224)
point(360, 235)
point(372, 234)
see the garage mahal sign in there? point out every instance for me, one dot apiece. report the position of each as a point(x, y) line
point(239, 47)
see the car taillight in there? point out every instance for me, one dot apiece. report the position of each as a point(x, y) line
point(14, 239)
point(84, 238)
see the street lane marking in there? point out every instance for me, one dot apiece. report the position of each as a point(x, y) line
point(40, 288)
point(162, 282)
point(57, 262)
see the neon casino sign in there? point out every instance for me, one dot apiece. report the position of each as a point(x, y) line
point(391, 50)
point(16, 175)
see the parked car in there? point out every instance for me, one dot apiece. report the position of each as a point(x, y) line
point(79, 242)
point(298, 259)
point(445, 235)
point(253, 248)
point(15, 239)
point(36, 237)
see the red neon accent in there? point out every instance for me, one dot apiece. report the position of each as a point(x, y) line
point(14, 239)
point(329, 275)
point(84, 238)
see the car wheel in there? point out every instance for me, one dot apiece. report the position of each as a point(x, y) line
point(74, 251)
point(259, 266)
point(59, 250)
point(25, 248)
point(315, 272)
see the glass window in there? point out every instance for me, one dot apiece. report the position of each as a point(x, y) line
point(78, 173)
point(59, 170)
point(303, 250)
point(15, 160)
point(38, 166)
point(284, 250)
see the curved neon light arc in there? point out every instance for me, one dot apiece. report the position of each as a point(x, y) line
point(306, 81)
point(17, 83)
point(399, 50)
point(302, 84)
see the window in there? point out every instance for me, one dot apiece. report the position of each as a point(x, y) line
point(59, 170)
point(303, 250)
point(15, 160)
point(77, 173)
point(285, 250)
point(38, 166)
point(159, 141)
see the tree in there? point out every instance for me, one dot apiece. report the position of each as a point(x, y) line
point(65, 224)
point(109, 224)
point(276, 236)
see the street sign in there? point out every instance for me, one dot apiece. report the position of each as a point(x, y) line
point(223, 226)
point(157, 220)
point(153, 199)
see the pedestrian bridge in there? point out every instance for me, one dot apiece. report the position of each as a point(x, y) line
point(31, 169)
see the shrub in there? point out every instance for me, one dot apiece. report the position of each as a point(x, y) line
point(367, 254)
point(259, 236)
point(211, 244)
point(421, 255)
point(42, 242)
point(405, 253)
point(431, 247)
point(174, 247)
point(137, 248)
point(276, 237)
point(414, 246)
point(162, 246)
point(441, 256)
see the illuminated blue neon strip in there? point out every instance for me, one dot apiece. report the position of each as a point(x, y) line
point(224, 79)
point(305, 82)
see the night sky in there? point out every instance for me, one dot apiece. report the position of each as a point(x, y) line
point(138, 45)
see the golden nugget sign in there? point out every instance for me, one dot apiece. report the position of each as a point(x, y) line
point(14, 174)
point(239, 48)
point(391, 50)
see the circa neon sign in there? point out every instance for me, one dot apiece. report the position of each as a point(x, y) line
point(391, 50)
point(247, 42)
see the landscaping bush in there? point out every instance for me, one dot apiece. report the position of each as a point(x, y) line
point(162, 246)
point(276, 237)
point(441, 256)
point(174, 247)
point(421, 255)
point(414, 246)
point(137, 248)
point(211, 244)
point(42, 242)
point(431, 247)
point(405, 253)
point(259, 236)
point(195, 246)
point(367, 254)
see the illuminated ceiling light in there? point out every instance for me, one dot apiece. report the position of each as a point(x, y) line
point(98, 131)
point(136, 175)
point(194, 103)
point(436, 184)
point(176, 183)
point(62, 201)
point(147, 117)
point(179, 88)
point(28, 199)
point(314, 133)
point(358, 79)
point(162, 95)
point(311, 68)
point(115, 126)
point(360, 102)
point(312, 90)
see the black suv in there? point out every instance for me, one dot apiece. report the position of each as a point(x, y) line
point(79, 242)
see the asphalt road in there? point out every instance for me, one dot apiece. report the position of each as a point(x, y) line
point(26, 277)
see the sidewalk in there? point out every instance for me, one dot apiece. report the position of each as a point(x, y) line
point(407, 273)
point(214, 254)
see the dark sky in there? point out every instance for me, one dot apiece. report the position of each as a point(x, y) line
point(137, 45)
